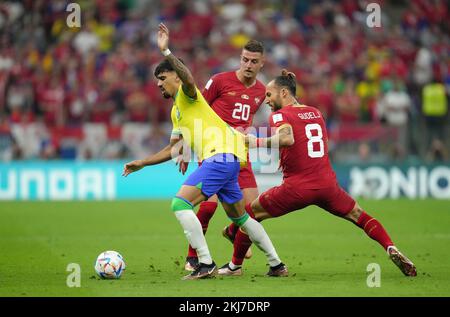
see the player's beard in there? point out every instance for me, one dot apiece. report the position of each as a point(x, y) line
point(165, 94)
point(276, 106)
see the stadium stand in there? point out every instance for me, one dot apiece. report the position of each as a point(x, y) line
point(89, 93)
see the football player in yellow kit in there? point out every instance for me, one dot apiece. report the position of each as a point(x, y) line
point(222, 151)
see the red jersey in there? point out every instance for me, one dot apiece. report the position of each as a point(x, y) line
point(232, 101)
point(306, 161)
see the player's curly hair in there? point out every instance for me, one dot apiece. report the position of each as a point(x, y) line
point(287, 80)
point(165, 66)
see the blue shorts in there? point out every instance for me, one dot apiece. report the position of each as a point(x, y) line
point(218, 175)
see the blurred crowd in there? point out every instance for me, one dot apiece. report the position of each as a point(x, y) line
point(88, 92)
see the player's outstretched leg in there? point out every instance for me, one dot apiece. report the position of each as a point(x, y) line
point(234, 268)
point(204, 214)
point(257, 234)
point(375, 230)
point(241, 245)
point(192, 228)
point(250, 191)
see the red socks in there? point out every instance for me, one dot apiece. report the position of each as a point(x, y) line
point(204, 214)
point(232, 229)
point(374, 229)
point(242, 242)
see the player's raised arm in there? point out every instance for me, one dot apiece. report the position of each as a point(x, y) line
point(182, 71)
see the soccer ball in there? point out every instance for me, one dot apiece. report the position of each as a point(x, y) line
point(109, 265)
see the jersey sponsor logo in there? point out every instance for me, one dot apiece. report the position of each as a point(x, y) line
point(257, 100)
point(277, 118)
point(177, 112)
point(231, 93)
point(246, 97)
point(208, 84)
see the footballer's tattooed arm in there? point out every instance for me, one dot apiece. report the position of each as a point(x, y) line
point(182, 71)
point(185, 75)
point(283, 137)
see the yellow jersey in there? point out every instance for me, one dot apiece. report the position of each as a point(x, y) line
point(205, 132)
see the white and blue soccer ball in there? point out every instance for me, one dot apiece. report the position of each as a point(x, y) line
point(110, 265)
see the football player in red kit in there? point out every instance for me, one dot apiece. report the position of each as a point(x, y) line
point(235, 96)
point(308, 177)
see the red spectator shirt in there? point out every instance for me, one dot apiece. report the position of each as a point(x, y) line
point(232, 101)
point(306, 161)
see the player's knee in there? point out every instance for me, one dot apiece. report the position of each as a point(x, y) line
point(255, 205)
point(259, 212)
point(213, 199)
point(180, 204)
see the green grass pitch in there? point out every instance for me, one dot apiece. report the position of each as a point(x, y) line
point(326, 256)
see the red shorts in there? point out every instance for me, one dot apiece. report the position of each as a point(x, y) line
point(246, 177)
point(289, 197)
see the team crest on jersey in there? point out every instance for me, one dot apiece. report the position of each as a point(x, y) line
point(177, 113)
point(246, 97)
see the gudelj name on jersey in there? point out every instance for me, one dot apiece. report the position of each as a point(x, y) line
point(57, 184)
point(415, 182)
